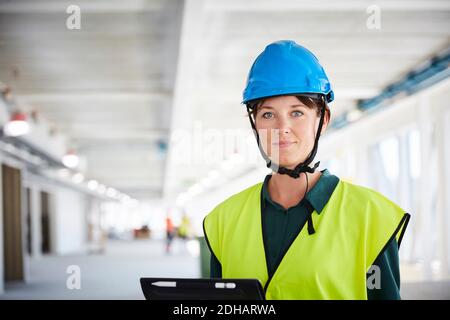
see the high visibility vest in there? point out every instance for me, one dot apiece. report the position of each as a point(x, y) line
point(351, 231)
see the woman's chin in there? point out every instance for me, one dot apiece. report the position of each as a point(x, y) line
point(286, 160)
point(287, 164)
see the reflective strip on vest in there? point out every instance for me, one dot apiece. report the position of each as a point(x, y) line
point(351, 231)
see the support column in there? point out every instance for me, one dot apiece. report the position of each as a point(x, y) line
point(36, 228)
point(443, 207)
point(404, 185)
point(424, 234)
point(2, 259)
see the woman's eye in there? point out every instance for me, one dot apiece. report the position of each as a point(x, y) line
point(297, 113)
point(267, 115)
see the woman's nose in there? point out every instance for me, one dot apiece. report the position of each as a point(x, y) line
point(286, 130)
point(284, 126)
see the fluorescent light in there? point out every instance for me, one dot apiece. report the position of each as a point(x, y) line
point(354, 115)
point(111, 192)
point(213, 174)
point(16, 128)
point(101, 189)
point(70, 160)
point(236, 158)
point(207, 182)
point(77, 178)
point(226, 165)
point(196, 189)
point(182, 199)
point(92, 184)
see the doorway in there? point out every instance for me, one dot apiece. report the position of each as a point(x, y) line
point(12, 223)
point(28, 215)
point(45, 223)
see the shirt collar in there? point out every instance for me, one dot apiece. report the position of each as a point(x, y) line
point(318, 196)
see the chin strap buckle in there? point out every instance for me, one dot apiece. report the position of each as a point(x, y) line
point(297, 171)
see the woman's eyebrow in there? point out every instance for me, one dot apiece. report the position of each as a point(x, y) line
point(265, 107)
point(292, 106)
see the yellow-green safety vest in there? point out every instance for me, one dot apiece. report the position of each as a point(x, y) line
point(353, 228)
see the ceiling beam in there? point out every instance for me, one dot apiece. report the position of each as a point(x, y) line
point(86, 6)
point(325, 5)
point(117, 96)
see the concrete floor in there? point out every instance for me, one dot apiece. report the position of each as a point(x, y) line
point(115, 274)
point(112, 275)
point(430, 290)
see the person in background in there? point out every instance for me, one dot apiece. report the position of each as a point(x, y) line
point(185, 230)
point(170, 233)
point(185, 227)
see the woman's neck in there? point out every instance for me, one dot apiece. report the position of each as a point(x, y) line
point(288, 191)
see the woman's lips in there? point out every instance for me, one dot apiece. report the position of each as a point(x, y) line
point(284, 144)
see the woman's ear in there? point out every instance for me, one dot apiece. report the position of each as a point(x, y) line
point(326, 121)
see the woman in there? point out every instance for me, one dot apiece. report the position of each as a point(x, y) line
point(349, 247)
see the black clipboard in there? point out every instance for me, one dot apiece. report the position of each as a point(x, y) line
point(201, 289)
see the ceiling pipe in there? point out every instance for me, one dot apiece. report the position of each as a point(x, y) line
point(431, 72)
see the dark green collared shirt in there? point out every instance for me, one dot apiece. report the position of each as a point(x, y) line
point(281, 227)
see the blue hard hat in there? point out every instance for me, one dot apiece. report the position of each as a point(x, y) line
point(283, 68)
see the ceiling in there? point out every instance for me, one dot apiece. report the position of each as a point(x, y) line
point(139, 72)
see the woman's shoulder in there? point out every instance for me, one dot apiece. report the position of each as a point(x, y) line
point(365, 195)
point(239, 197)
point(382, 218)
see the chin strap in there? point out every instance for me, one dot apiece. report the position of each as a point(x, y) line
point(301, 167)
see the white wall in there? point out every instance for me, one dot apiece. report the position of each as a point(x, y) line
point(2, 271)
point(68, 219)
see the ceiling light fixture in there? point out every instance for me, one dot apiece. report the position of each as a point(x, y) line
point(17, 125)
point(70, 159)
